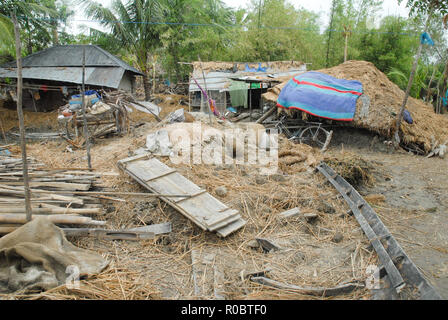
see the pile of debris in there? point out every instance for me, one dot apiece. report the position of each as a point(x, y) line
point(377, 113)
point(102, 118)
point(61, 194)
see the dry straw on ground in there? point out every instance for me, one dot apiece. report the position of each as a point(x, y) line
point(163, 268)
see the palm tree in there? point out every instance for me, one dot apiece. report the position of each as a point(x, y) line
point(134, 24)
point(6, 34)
point(29, 15)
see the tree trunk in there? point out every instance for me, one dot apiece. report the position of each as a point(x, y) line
point(54, 29)
point(176, 64)
point(444, 85)
point(147, 86)
point(26, 185)
point(333, 4)
point(345, 48)
point(29, 44)
point(408, 89)
point(428, 94)
point(439, 87)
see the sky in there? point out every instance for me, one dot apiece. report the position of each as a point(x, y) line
point(390, 7)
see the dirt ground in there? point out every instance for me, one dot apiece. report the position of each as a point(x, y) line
point(189, 263)
point(415, 209)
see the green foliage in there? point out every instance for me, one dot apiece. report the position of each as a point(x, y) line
point(418, 7)
point(265, 30)
point(139, 38)
point(182, 42)
point(38, 20)
point(356, 16)
point(278, 31)
point(389, 47)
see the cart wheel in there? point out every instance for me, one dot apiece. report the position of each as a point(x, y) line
point(316, 136)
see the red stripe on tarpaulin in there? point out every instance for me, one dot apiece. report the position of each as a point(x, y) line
point(292, 107)
point(325, 87)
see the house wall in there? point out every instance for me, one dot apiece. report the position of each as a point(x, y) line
point(127, 83)
point(222, 100)
point(198, 100)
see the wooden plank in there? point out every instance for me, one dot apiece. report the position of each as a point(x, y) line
point(193, 195)
point(58, 185)
point(167, 200)
point(230, 228)
point(289, 213)
point(57, 218)
point(161, 175)
point(51, 210)
point(160, 228)
point(225, 222)
point(202, 208)
point(104, 234)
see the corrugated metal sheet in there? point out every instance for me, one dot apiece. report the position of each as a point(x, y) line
point(220, 81)
point(215, 81)
point(98, 76)
point(64, 63)
point(71, 56)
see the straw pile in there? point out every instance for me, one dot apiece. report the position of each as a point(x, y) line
point(353, 168)
point(228, 66)
point(385, 101)
point(39, 120)
point(112, 284)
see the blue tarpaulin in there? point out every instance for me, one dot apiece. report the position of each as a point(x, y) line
point(76, 98)
point(321, 95)
point(425, 38)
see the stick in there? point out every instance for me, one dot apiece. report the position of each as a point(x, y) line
point(56, 218)
point(206, 96)
point(86, 130)
point(91, 193)
point(317, 291)
point(21, 121)
point(3, 131)
point(51, 211)
point(411, 80)
point(136, 194)
point(156, 116)
point(108, 234)
point(266, 115)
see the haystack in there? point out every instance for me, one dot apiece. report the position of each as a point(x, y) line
point(385, 102)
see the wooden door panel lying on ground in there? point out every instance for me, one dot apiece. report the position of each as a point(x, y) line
point(199, 206)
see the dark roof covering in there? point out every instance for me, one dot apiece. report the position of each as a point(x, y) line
point(71, 56)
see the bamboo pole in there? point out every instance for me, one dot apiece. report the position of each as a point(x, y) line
point(411, 80)
point(92, 193)
point(428, 93)
point(347, 33)
point(51, 211)
point(205, 88)
point(17, 218)
point(86, 130)
point(20, 115)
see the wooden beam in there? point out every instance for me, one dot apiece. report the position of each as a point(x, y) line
point(86, 130)
point(20, 115)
